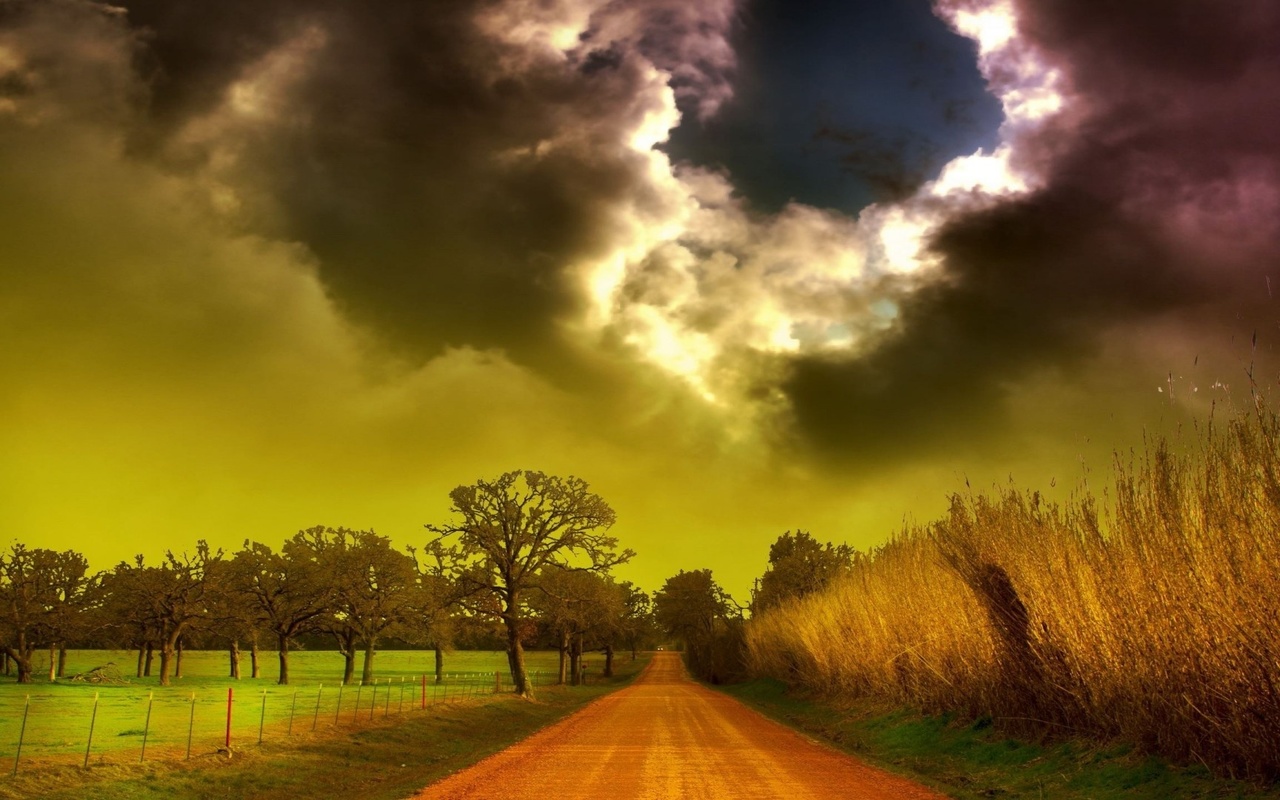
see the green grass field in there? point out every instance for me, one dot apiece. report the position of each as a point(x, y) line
point(386, 758)
point(60, 713)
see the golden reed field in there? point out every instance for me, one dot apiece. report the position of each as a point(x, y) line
point(1151, 614)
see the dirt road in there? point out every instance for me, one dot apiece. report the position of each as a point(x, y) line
point(665, 737)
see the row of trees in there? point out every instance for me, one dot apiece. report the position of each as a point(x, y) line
point(693, 609)
point(526, 551)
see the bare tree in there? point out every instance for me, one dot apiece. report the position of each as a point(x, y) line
point(509, 528)
point(175, 596)
point(73, 595)
point(374, 591)
point(289, 591)
point(124, 612)
point(578, 607)
point(42, 594)
point(434, 621)
point(232, 617)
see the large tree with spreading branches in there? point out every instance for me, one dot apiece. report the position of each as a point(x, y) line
point(506, 530)
point(287, 593)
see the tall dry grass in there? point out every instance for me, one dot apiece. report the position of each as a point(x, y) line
point(1152, 615)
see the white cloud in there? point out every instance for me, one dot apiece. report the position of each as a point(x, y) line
point(702, 288)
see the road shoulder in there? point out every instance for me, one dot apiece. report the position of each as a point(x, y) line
point(975, 761)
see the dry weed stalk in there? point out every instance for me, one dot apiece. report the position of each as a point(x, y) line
point(1155, 621)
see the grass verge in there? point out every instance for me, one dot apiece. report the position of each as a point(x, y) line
point(976, 761)
point(383, 760)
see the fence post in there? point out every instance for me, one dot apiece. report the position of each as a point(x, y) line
point(497, 681)
point(191, 724)
point(424, 691)
point(292, 709)
point(263, 717)
point(92, 720)
point(228, 741)
point(146, 727)
point(316, 721)
point(373, 701)
point(359, 689)
point(22, 734)
point(400, 708)
point(386, 704)
point(338, 710)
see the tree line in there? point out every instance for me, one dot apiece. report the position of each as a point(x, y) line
point(526, 554)
point(696, 611)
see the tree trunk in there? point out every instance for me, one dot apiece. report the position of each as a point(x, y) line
point(563, 675)
point(21, 658)
point(254, 668)
point(575, 661)
point(608, 661)
point(439, 664)
point(146, 669)
point(166, 654)
point(515, 650)
point(53, 661)
point(284, 660)
point(62, 659)
point(347, 646)
point(177, 664)
point(233, 654)
point(366, 673)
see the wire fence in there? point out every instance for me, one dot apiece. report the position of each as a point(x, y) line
point(120, 724)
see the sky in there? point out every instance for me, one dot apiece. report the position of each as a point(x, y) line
point(745, 267)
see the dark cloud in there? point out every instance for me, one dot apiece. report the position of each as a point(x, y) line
point(448, 179)
point(688, 40)
point(1160, 197)
point(1117, 47)
point(1030, 285)
point(194, 50)
point(435, 186)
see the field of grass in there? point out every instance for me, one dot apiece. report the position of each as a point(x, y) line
point(59, 714)
point(383, 758)
point(1146, 615)
point(973, 760)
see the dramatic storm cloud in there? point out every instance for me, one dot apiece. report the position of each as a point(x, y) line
point(268, 264)
point(1157, 193)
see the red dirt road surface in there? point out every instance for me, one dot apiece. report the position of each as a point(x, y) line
point(666, 737)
